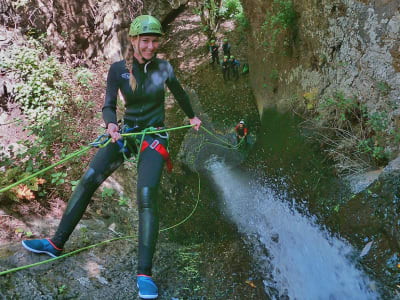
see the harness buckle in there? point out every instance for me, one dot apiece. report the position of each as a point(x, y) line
point(154, 144)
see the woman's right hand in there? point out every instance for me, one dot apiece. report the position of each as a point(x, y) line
point(113, 131)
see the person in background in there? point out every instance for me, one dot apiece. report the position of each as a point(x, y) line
point(226, 67)
point(141, 78)
point(241, 132)
point(234, 64)
point(214, 52)
point(226, 47)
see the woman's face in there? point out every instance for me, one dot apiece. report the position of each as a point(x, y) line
point(148, 45)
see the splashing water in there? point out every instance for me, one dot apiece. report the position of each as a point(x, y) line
point(301, 261)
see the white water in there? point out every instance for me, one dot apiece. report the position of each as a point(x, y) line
point(302, 261)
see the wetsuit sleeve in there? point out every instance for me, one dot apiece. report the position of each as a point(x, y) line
point(110, 102)
point(179, 93)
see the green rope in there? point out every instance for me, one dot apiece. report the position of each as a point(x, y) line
point(72, 155)
point(104, 242)
point(64, 255)
point(193, 210)
point(85, 149)
point(229, 146)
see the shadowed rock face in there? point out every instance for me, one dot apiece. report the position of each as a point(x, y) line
point(84, 29)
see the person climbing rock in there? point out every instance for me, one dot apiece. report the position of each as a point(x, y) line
point(241, 132)
point(226, 47)
point(225, 65)
point(214, 52)
point(141, 78)
point(234, 65)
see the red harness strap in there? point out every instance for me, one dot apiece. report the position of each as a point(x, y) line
point(156, 145)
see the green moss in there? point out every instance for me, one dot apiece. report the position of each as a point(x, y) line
point(280, 26)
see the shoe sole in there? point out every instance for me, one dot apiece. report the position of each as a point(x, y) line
point(146, 296)
point(37, 251)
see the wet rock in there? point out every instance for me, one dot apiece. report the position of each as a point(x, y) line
point(358, 183)
point(275, 237)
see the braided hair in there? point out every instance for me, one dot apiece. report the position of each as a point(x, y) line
point(129, 55)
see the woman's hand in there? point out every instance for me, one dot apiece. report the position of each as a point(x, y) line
point(195, 121)
point(113, 131)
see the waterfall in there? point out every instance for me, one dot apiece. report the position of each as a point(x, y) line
point(296, 257)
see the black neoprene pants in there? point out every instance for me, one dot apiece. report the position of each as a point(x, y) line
point(104, 163)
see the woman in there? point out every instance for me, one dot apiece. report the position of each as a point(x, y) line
point(141, 78)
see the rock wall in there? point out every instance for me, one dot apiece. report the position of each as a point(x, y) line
point(340, 45)
point(83, 29)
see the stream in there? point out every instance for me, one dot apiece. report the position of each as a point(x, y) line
point(297, 257)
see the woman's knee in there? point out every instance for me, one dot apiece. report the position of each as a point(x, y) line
point(147, 198)
point(92, 178)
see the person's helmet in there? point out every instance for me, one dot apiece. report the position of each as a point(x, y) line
point(241, 122)
point(232, 57)
point(212, 41)
point(226, 57)
point(145, 24)
point(225, 40)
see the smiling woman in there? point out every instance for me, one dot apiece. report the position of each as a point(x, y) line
point(141, 78)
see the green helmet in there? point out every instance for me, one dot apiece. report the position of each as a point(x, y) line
point(225, 40)
point(212, 41)
point(232, 57)
point(145, 24)
point(226, 57)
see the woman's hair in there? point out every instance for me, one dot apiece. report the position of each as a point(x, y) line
point(130, 51)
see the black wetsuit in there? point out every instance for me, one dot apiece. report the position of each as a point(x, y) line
point(144, 108)
point(214, 54)
point(226, 47)
point(234, 64)
point(226, 70)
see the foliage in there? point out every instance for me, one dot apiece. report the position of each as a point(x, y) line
point(383, 88)
point(44, 92)
point(231, 8)
point(274, 75)
point(21, 231)
point(190, 262)
point(107, 193)
point(356, 139)
point(19, 3)
point(123, 200)
point(40, 90)
point(84, 77)
point(209, 12)
point(243, 25)
point(58, 178)
point(61, 289)
point(280, 25)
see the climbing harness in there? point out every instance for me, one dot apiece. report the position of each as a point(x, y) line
point(144, 142)
point(156, 145)
point(102, 141)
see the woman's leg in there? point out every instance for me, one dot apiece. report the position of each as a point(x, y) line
point(149, 175)
point(106, 161)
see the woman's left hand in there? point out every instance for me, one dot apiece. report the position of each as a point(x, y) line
point(196, 122)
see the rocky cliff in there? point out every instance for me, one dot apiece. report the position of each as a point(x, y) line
point(335, 63)
point(83, 29)
point(346, 45)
